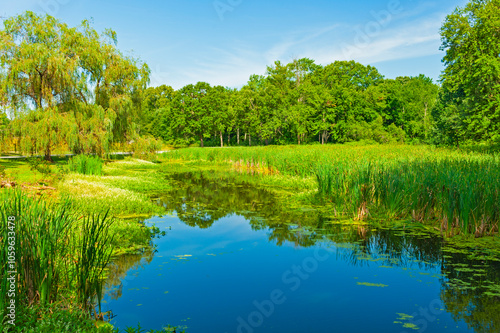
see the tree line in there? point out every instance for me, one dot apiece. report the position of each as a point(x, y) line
point(299, 102)
point(71, 86)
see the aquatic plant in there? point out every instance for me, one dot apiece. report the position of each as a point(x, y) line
point(86, 165)
point(457, 190)
point(49, 257)
point(93, 255)
point(41, 241)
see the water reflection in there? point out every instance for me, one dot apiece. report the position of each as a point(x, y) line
point(117, 271)
point(202, 198)
point(470, 288)
point(471, 291)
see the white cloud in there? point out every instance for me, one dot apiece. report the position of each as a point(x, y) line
point(414, 40)
point(410, 34)
point(230, 68)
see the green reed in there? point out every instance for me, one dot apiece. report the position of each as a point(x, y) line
point(41, 239)
point(461, 194)
point(458, 190)
point(93, 255)
point(49, 254)
point(86, 165)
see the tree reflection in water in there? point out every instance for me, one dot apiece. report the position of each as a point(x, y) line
point(470, 289)
point(119, 268)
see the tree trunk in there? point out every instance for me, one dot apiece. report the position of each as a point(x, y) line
point(425, 121)
point(47, 155)
point(201, 141)
point(267, 142)
point(249, 140)
point(238, 135)
point(228, 138)
point(324, 137)
point(221, 140)
point(298, 139)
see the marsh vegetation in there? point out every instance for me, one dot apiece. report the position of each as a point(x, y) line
point(65, 237)
point(243, 234)
point(457, 192)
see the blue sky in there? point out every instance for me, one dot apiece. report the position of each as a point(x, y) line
point(223, 42)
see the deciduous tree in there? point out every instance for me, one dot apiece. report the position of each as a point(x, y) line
point(67, 85)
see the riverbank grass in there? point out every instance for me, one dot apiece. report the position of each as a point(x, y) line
point(452, 190)
point(84, 220)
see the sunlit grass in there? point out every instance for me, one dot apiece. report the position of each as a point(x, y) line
point(124, 190)
point(457, 190)
point(53, 246)
point(86, 165)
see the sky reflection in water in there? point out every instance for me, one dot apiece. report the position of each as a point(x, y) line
point(218, 270)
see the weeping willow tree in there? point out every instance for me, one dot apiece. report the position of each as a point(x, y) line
point(67, 86)
point(4, 131)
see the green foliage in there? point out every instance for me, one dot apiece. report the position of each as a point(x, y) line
point(407, 103)
point(375, 132)
point(86, 165)
point(40, 165)
point(470, 100)
point(299, 102)
point(4, 128)
point(156, 106)
point(55, 318)
point(145, 148)
point(81, 93)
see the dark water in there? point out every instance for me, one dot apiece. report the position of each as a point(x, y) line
point(234, 260)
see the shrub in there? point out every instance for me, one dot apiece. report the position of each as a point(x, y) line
point(40, 165)
point(146, 148)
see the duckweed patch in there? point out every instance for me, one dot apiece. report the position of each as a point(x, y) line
point(368, 284)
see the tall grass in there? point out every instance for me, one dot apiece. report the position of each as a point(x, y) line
point(458, 190)
point(94, 254)
point(41, 240)
point(50, 259)
point(460, 194)
point(86, 165)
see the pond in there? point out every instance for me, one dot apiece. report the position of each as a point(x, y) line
point(235, 260)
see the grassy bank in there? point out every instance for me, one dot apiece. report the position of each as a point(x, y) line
point(454, 191)
point(68, 226)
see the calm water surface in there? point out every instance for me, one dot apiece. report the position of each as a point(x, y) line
point(233, 260)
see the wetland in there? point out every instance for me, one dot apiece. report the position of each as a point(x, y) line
point(235, 258)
